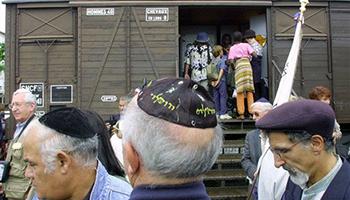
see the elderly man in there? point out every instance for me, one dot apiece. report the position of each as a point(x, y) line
point(61, 150)
point(122, 103)
point(112, 126)
point(254, 140)
point(170, 139)
point(271, 182)
point(300, 135)
point(23, 107)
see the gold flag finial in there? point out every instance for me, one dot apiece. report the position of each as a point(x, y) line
point(303, 4)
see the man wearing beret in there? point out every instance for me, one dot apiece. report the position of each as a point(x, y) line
point(61, 151)
point(300, 135)
point(170, 139)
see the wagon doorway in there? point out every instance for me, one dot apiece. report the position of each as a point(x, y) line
point(217, 21)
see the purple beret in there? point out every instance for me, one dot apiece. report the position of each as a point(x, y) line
point(315, 117)
point(179, 101)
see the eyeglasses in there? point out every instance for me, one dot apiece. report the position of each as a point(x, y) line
point(16, 104)
point(281, 151)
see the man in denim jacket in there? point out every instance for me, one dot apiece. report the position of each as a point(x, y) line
point(61, 150)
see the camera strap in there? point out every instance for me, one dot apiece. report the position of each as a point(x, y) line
point(25, 126)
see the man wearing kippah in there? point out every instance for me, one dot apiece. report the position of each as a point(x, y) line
point(300, 135)
point(170, 139)
point(61, 151)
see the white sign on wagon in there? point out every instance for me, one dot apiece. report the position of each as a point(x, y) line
point(37, 89)
point(99, 11)
point(157, 14)
point(108, 98)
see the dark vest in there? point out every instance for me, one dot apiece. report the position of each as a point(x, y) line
point(339, 188)
point(189, 191)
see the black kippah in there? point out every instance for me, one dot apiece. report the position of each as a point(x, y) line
point(68, 121)
point(179, 101)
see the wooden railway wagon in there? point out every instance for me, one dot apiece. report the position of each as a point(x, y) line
point(88, 53)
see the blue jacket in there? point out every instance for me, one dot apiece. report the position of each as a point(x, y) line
point(188, 191)
point(107, 187)
point(339, 188)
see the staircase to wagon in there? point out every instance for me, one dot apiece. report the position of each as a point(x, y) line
point(227, 180)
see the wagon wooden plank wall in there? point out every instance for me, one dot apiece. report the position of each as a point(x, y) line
point(118, 50)
point(44, 48)
point(313, 67)
point(88, 53)
point(340, 27)
point(104, 49)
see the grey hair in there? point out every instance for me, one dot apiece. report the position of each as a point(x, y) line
point(28, 96)
point(126, 98)
point(264, 106)
point(84, 151)
point(158, 144)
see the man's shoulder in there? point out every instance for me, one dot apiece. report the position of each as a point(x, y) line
point(119, 186)
point(339, 187)
point(344, 173)
point(253, 133)
point(116, 188)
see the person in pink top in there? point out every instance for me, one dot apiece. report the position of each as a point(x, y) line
point(240, 55)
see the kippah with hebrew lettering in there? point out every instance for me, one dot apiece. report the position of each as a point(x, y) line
point(68, 121)
point(180, 101)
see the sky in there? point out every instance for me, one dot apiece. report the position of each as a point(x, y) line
point(2, 17)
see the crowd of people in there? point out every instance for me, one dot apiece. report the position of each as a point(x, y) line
point(69, 153)
point(233, 66)
point(166, 137)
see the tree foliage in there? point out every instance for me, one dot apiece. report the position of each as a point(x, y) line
point(2, 56)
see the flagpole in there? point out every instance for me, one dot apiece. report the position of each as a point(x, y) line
point(287, 79)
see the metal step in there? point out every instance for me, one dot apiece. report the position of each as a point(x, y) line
point(227, 159)
point(233, 143)
point(237, 131)
point(237, 124)
point(232, 147)
point(232, 193)
point(233, 120)
point(227, 180)
point(232, 174)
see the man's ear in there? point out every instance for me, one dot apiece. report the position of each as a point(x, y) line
point(318, 143)
point(32, 107)
point(132, 158)
point(64, 162)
